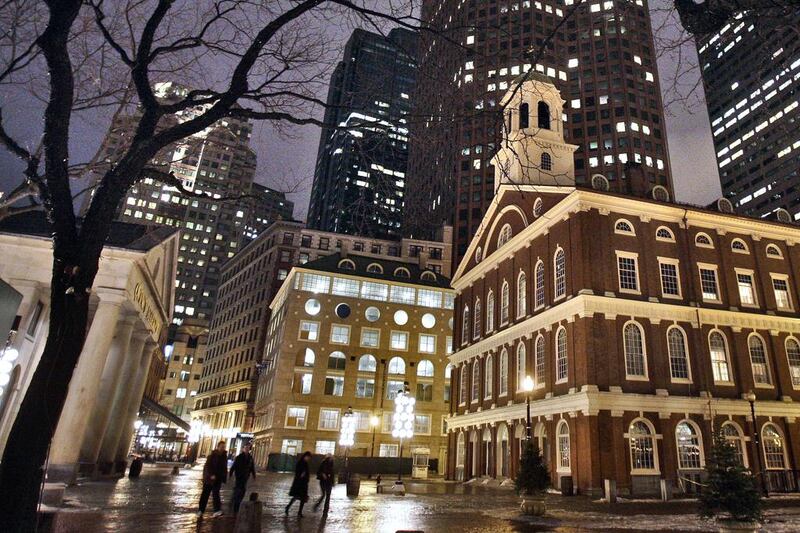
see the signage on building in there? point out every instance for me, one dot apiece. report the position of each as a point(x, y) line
point(150, 317)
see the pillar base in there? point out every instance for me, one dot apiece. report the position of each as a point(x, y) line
point(67, 474)
point(87, 470)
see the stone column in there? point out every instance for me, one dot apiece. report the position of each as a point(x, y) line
point(83, 388)
point(109, 382)
point(129, 415)
point(122, 396)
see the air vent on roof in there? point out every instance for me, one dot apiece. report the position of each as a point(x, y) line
point(724, 205)
point(660, 193)
point(783, 215)
point(600, 182)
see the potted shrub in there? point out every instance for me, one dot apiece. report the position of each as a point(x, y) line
point(532, 480)
point(730, 494)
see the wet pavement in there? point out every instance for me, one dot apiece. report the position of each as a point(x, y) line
point(160, 502)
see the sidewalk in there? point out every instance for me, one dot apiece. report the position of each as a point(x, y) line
point(158, 502)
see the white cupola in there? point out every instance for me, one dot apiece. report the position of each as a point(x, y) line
point(533, 151)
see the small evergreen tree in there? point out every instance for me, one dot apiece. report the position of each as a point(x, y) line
point(533, 477)
point(730, 487)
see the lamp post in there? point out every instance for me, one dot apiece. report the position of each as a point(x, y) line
point(374, 421)
point(347, 437)
point(402, 423)
point(528, 387)
point(751, 397)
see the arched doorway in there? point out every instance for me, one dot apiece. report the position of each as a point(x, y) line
point(503, 452)
point(540, 441)
point(473, 454)
point(461, 456)
point(486, 450)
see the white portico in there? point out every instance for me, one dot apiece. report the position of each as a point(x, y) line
point(130, 307)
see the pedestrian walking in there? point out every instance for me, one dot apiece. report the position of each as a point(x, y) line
point(326, 478)
point(215, 473)
point(299, 489)
point(243, 467)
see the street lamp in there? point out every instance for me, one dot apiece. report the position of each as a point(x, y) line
point(750, 396)
point(403, 423)
point(374, 421)
point(528, 387)
point(347, 436)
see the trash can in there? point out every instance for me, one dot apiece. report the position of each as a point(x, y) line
point(353, 485)
point(566, 485)
point(136, 468)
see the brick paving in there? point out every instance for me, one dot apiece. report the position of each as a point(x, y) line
point(159, 502)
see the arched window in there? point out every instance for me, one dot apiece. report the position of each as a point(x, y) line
point(774, 452)
point(678, 358)
point(539, 360)
point(337, 361)
point(733, 435)
point(539, 280)
point(504, 303)
point(502, 388)
point(703, 240)
point(543, 115)
point(427, 276)
point(563, 446)
point(488, 377)
point(375, 268)
point(462, 395)
point(718, 348)
point(739, 246)
point(624, 227)
point(547, 161)
point(367, 363)
point(309, 357)
point(560, 272)
point(490, 311)
point(690, 449)
point(663, 233)
point(635, 359)
point(758, 360)
point(561, 355)
point(538, 205)
point(504, 236)
point(476, 380)
point(448, 370)
point(522, 292)
point(793, 355)
point(774, 251)
point(346, 264)
point(476, 321)
point(425, 369)
point(397, 365)
point(401, 272)
point(524, 115)
point(521, 366)
point(642, 446)
point(465, 325)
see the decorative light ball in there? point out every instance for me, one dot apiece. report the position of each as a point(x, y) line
point(396, 433)
point(5, 367)
point(1, 391)
point(408, 425)
point(409, 408)
point(4, 379)
point(412, 400)
point(10, 354)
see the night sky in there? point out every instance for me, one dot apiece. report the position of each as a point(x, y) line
point(288, 158)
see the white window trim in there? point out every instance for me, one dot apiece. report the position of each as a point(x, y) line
point(770, 374)
point(634, 377)
point(752, 274)
point(744, 440)
point(656, 437)
point(557, 297)
point(536, 305)
point(286, 417)
point(686, 351)
point(764, 449)
point(555, 358)
point(487, 394)
point(665, 239)
point(631, 233)
point(463, 378)
point(699, 442)
point(785, 277)
point(728, 383)
point(677, 263)
point(419, 343)
point(300, 331)
point(786, 355)
point(330, 337)
point(777, 257)
point(715, 268)
point(635, 257)
point(408, 341)
point(504, 393)
point(746, 250)
point(338, 419)
point(563, 469)
point(361, 337)
point(505, 285)
point(516, 294)
point(489, 311)
point(702, 245)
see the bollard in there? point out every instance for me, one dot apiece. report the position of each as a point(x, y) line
point(610, 487)
point(248, 520)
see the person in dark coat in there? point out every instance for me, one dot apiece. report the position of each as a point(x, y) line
point(299, 489)
point(325, 477)
point(243, 467)
point(215, 473)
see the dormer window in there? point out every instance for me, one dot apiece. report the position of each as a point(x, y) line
point(401, 272)
point(505, 235)
point(547, 161)
point(428, 276)
point(346, 264)
point(543, 115)
point(624, 227)
point(375, 268)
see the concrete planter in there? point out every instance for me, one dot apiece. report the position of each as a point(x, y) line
point(737, 526)
point(533, 505)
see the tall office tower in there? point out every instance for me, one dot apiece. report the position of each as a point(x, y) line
point(599, 54)
point(359, 181)
point(751, 73)
point(217, 162)
point(265, 207)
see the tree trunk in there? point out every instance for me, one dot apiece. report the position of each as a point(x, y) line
point(25, 455)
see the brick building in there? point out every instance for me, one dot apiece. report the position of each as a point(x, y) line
point(643, 324)
point(349, 330)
